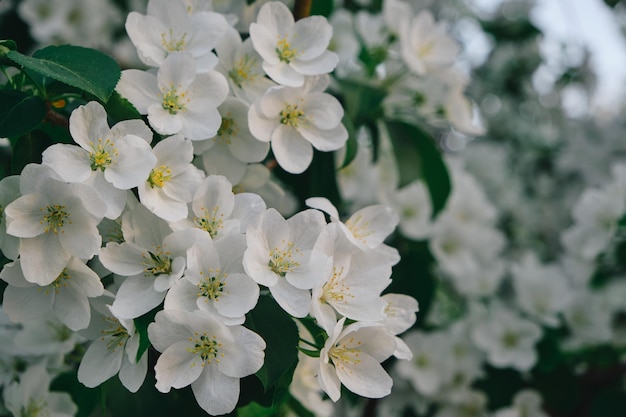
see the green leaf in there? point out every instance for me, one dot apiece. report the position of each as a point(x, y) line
point(323, 177)
point(84, 68)
point(85, 398)
point(141, 325)
point(119, 109)
point(20, 112)
point(414, 276)
point(280, 333)
point(362, 101)
point(8, 43)
point(322, 7)
point(418, 157)
point(28, 149)
point(255, 410)
point(318, 334)
point(352, 144)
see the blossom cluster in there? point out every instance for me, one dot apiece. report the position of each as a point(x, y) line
point(160, 218)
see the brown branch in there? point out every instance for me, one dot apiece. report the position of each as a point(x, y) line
point(302, 9)
point(56, 119)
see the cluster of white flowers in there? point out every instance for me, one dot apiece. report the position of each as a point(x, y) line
point(122, 223)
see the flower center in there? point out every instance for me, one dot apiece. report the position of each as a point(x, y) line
point(281, 261)
point(116, 334)
point(210, 223)
point(59, 282)
point(159, 176)
point(336, 290)
point(36, 408)
point(291, 115)
point(345, 353)
point(100, 156)
point(243, 71)
point(284, 50)
point(173, 43)
point(55, 217)
point(359, 229)
point(157, 263)
point(173, 101)
point(227, 130)
point(207, 347)
point(212, 286)
point(510, 339)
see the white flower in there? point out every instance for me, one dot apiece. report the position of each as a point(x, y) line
point(399, 317)
point(229, 152)
point(352, 357)
point(305, 388)
point(425, 45)
point(241, 65)
point(173, 181)
point(430, 368)
point(113, 351)
point(588, 316)
point(9, 191)
point(168, 27)
point(31, 396)
point(214, 281)
point(46, 336)
point(111, 160)
point(294, 120)
point(352, 289)
point(66, 297)
point(55, 221)
point(366, 229)
point(508, 340)
point(198, 350)
point(177, 100)
point(292, 50)
point(280, 256)
point(258, 180)
point(152, 260)
point(542, 291)
point(526, 403)
point(219, 212)
point(414, 208)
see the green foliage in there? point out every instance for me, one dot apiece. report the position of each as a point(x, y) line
point(141, 326)
point(418, 157)
point(280, 333)
point(322, 7)
point(361, 101)
point(413, 275)
point(119, 109)
point(87, 69)
point(255, 410)
point(20, 112)
point(27, 149)
point(85, 398)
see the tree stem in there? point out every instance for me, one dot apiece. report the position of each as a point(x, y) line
point(302, 9)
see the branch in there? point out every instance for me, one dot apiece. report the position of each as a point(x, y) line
point(302, 9)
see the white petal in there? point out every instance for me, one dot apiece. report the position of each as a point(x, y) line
point(88, 123)
point(215, 392)
point(365, 377)
point(291, 299)
point(136, 297)
point(140, 88)
point(99, 363)
point(293, 153)
point(69, 161)
point(132, 375)
point(177, 367)
point(122, 258)
point(43, 258)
